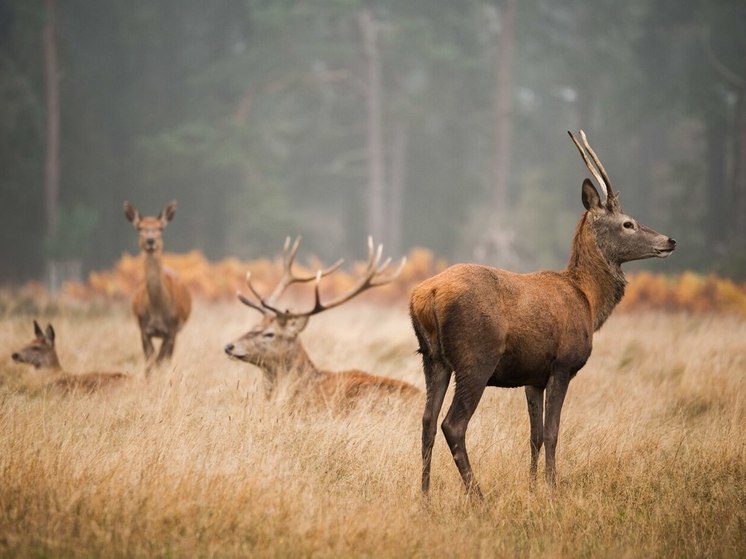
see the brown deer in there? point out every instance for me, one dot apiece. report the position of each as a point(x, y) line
point(491, 327)
point(42, 354)
point(162, 303)
point(273, 344)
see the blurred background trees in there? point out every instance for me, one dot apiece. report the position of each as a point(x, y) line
point(426, 123)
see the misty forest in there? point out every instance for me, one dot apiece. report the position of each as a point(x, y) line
point(426, 123)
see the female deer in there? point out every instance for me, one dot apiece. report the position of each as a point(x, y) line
point(162, 303)
point(273, 345)
point(491, 327)
point(42, 354)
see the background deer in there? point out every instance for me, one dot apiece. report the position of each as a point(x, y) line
point(162, 303)
point(273, 344)
point(491, 327)
point(42, 354)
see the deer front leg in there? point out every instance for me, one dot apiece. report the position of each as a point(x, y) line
point(147, 344)
point(555, 396)
point(535, 400)
point(167, 348)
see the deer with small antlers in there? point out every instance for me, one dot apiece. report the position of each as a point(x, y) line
point(273, 345)
point(491, 327)
point(162, 303)
point(41, 353)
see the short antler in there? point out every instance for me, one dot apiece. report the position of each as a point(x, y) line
point(597, 169)
point(375, 275)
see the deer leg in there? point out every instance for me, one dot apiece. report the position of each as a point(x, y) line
point(167, 347)
point(437, 377)
point(535, 399)
point(468, 393)
point(556, 390)
point(147, 344)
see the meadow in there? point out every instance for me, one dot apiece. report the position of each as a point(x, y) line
point(196, 462)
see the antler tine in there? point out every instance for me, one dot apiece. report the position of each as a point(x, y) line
point(598, 163)
point(248, 302)
point(588, 164)
point(371, 278)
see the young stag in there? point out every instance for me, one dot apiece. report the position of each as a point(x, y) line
point(491, 327)
point(162, 303)
point(42, 354)
point(273, 344)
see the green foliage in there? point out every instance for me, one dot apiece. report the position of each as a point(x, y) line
point(253, 116)
point(74, 227)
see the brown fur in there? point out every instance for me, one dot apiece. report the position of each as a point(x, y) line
point(491, 327)
point(274, 347)
point(162, 303)
point(41, 353)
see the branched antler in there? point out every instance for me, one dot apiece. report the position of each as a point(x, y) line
point(373, 276)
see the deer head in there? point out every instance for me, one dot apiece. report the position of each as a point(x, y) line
point(273, 344)
point(150, 228)
point(620, 237)
point(40, 352)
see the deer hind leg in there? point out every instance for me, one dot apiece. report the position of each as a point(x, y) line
point(535, 400)
point(556, 390)
point(437, 377)
point(469, 391)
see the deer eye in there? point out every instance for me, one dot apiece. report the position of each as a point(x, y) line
point(628, 225)
point(269, 335)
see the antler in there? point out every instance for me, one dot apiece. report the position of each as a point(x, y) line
point(598, 170)
point(286, 280)
point(373, 276)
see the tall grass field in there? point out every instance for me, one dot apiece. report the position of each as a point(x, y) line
point(195, 461)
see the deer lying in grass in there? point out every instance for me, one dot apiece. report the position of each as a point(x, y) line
point(42, 354)
point(491, 327)
point(273, 344)
point(162, 303)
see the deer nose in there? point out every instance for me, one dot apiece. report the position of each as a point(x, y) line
point(672, 242)
point(228, 348)
point(150, 241)
point(15, 356)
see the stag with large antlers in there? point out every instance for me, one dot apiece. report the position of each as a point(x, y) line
point(273, 345)
point(491, 327)
point(162, 303)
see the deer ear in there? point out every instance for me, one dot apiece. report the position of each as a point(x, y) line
point(591, 199)
point(297, 325)
point(131, 213)
point(49, 334)
point(37, 330)
point(167, 213)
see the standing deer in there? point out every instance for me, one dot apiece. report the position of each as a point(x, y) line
point(162, 303)
point(42, 354)
point(273, 344)
point(491, 327)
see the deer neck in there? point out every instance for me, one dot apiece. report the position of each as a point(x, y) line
point(300, 363)
point(295, 363)
point(53, 364)
point(601, 281)
point(157, 293)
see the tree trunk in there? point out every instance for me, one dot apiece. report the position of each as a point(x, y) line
point(373, 94)
point(503, 107)
point(739, 186)
point(397, 185)
point(52, 171)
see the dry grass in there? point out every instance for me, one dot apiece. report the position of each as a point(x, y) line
point(195, 462)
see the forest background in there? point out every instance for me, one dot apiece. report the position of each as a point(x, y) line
point(426, 123)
